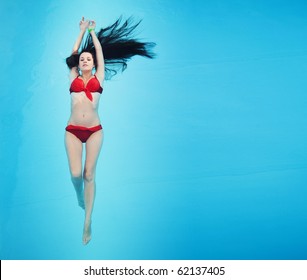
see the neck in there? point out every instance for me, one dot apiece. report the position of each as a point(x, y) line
point(86, 75)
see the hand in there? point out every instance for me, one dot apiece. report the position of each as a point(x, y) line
point(83, 24)
point(92, 24)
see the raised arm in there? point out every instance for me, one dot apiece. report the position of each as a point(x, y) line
point(83, 27)
point(98, 50)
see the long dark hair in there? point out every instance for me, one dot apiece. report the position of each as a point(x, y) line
point(118, 46)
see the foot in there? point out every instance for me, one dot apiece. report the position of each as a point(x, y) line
point(87, 233)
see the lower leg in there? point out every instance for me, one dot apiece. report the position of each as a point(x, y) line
point(89, 198)
point(78, 185)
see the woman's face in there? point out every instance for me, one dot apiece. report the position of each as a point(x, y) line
point(86, 62)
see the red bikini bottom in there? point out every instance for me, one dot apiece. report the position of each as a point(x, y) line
point(82, 132)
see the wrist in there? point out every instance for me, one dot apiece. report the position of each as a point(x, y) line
point(90, 30)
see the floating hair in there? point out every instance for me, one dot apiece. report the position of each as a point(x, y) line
point(118, 45)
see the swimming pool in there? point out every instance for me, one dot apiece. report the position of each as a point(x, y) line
point(205, 147)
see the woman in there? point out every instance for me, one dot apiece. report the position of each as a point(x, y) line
point(101, 54)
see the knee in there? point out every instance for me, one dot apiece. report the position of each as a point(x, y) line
point(76, 175)
point(88, 176)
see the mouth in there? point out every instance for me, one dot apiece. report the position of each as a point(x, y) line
point(84, 65)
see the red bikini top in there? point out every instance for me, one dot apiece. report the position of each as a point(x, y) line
point(92, 85)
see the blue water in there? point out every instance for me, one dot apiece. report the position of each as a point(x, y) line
point(205, 147)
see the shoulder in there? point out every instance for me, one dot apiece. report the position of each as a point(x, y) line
point(100, 77)
point(73, 74)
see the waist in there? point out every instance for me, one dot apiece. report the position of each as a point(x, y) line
point(84, 119)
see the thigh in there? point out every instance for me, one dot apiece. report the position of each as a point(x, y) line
point(93, 147)
point(74, 153)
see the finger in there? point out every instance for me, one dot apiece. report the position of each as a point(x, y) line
point(82, 19)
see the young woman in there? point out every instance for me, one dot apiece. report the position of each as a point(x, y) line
point(102, 54)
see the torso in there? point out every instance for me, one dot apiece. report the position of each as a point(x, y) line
point(84, 112)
